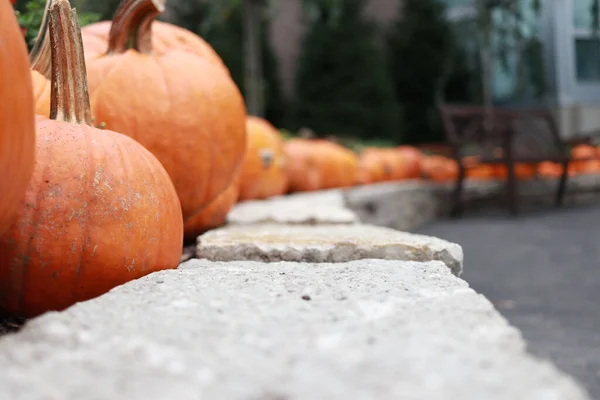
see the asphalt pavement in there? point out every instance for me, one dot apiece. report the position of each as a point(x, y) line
point(542, 271)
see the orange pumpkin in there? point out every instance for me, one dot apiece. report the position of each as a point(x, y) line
point(316, 164)
point(477, 171)
point(381, 165)
point(165, 37)
point(549, 169)
point(186, 110)
point(372, 167)
point(412, 158)
point(17, 120)
point(100, 210)
point(301, 166)
point(439, 168)
point(213, 216)
point(262, 174)
point(338, 165)
point(586, 160)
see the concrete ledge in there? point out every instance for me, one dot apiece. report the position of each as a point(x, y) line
point(325, 243)
point(368, 329)
point(322, 208)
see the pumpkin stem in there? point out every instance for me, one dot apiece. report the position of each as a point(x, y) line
point(39, 57)
point(132, 25)
point(69, 99)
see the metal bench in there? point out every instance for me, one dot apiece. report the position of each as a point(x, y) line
point(507, 136)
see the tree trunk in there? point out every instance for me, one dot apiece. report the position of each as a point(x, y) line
point(253, 74)
point(486, 59)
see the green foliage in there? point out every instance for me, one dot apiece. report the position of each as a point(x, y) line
point(103, 9)
point(342, 84)
point(30, 16)
point(222, 27)
point(421, 47)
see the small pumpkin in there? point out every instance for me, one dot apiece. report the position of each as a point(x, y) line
point(100, 210)
point(439, 168)
point(262, 174)
point(372, 167)
point(17, 118)
point(338, 164)
point(412, 158)
point(213, 216)
point(549, 169)
point(478, 171)
point(381, 165)
point(586, 160)
point(186, 110)
point(302, 169)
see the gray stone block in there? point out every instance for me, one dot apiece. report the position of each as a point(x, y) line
point(316, 208)
point(324, 243)
point(363, 330)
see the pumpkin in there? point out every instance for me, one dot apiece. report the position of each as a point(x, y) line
point(17, 120)
point(262, 174)
point(411, 157)
point(549, 169)
point(478, 171)
point(523, 171)
point(301, 165)
point(213, 216)
point(339, 166)
point(439, 168)
point(372, 167)
point(186, 110)
point(100, 210)
point(381, 165)
point(586, 160)
point(165, 37)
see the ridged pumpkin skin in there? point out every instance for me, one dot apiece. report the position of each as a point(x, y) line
point(213, 216)
point(186, 110)
point(263, 173)
point(17, 117)
point(165, 37)
point(100, 210)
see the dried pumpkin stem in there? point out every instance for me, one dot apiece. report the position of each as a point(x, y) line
point(40, 58)
point(69, 99)
point(132, 25)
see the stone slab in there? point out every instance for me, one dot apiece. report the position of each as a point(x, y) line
point(325, 243)
point(409, 204)
point(363, 330)
point(326, 207)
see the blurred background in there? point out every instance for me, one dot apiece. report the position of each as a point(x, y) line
point(371, 72)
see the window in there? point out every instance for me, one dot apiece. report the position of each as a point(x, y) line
point(586, 43)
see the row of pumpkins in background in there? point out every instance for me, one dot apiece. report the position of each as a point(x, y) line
point(118, 140)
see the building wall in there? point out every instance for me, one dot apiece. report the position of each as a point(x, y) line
point(288, 28)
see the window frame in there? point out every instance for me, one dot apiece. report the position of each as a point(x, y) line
point(570, 89)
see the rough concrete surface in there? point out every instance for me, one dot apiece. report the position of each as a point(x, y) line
point(368, 329)
point(408, 204)
point(326, 243)
point(326, 207)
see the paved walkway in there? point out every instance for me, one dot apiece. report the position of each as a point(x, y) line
point(542, 271)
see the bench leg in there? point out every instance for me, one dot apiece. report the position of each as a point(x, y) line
point(562, 185)
point(512, 190)
point(457, 206)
